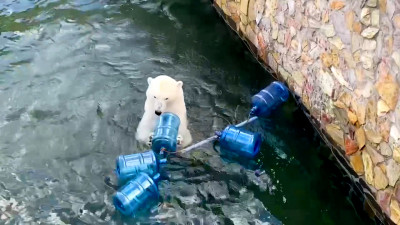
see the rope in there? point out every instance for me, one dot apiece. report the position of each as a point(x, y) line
point(198, 144)
point(247, 121)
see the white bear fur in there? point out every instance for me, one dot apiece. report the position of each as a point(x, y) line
point(164, 94)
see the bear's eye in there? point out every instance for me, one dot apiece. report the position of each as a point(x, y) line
point(166, 98)
point(154, 96)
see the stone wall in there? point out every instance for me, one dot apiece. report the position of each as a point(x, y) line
point(341, 59)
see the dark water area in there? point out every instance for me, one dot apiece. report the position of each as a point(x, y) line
point(72, 89)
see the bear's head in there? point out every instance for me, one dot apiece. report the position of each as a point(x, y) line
point(163, 91)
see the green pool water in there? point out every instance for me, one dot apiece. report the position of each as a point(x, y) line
point(72, 90)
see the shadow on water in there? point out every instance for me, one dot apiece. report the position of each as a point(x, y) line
point(72, 85)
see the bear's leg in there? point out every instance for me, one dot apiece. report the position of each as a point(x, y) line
point(179, 139)
point(184, 137)
point(150, 139)
point(145, 128)
point(187, 138)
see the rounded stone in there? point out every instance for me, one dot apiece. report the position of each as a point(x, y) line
point(357, 163)
point(369, 173)
point(380, 180)
point(396, 20)
point(394, 211)
point(392, 172)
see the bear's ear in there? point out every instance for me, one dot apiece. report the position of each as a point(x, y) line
point(179, 83)
point(149, 80)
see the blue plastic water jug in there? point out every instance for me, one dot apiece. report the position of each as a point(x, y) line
point(138, 194)
point(268, 99)
point(165, 133)
point(239, 141)
point(128, 166)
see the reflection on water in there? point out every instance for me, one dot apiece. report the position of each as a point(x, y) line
point(72, 88)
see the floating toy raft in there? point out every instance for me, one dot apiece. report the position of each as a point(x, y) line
point(138, 174)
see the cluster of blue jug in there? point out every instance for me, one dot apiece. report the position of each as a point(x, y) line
point(139, 173)
point(239, 142)
point(128, 166)
point(243, 143)
point(268, 99)
point(166, 133)
point(137, 194)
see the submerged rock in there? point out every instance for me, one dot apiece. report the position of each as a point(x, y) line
point(215, 190)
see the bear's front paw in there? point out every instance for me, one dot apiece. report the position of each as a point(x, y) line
point(179, 140)
point(150, 140)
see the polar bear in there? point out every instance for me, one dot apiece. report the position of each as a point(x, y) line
point(164, 94)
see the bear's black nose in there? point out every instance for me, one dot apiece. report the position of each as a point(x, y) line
point(157, 113)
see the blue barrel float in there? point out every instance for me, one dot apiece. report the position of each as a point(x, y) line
point(239, 141)
point(166, 133)
point(138, 194)
point(268, 99)
point(128, 166)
